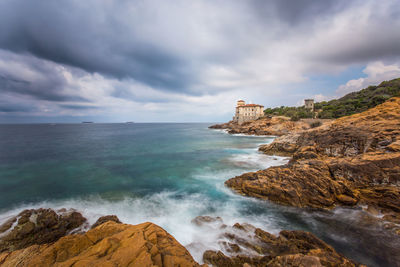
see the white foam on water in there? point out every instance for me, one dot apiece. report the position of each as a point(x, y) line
point(257, 160)
point(169, 210)
point(174, 211)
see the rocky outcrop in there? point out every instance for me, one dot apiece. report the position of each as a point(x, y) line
point(246, 245)
point(275, 126)
point(109, 244)
point(377, 129)
point(38, 227)
point(353, 160)
point(104, 219)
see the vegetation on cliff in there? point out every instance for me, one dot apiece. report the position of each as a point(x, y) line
point(349, 104)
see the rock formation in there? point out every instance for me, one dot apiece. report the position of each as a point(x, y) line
point(352, 160)
point(38, 227)
point(109, 244)
point(105, 219)
point(246, 245)
point(275, 126)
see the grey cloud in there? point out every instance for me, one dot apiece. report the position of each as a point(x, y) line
point(296, 13)
point(226, 46)
point(91, 37)
point(45, 90)
point(77, 107)
point(11, 108)
point(46, 82)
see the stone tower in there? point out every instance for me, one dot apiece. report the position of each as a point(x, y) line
point(240, 103)
point(309, 104)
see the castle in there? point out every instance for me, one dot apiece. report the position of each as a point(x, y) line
point(247, 112)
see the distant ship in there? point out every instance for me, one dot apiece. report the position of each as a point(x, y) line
point(87, 121)
point(129, 122)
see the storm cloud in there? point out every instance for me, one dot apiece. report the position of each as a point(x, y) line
point(73, 56)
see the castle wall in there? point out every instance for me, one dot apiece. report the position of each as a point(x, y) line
point(248, 113)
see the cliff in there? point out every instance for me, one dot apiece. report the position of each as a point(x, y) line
point(353, 160)
point(275, 126)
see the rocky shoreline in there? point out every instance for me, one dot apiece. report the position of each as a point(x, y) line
point(45, 237)
point(272, 126)
point(352, 161)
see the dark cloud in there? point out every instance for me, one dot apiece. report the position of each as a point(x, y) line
point(91, 37)
point(49, 89)
point(30, 76)
point(11, 108)
point(303, 11)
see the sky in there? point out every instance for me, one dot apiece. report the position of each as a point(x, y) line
point(187, 61)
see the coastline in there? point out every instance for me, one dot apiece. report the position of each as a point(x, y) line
point(230, 224)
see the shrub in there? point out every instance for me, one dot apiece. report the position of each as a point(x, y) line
point(295, 118)
point(315, 124)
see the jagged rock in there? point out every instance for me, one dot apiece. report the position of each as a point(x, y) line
point(38, 227)
point(104, 219)
point(219, 259)
point(109, 244)
point(201, 220)
point(289, 248)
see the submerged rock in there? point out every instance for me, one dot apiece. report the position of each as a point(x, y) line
point(204, 220)
point(37, 227)
point(109, 244)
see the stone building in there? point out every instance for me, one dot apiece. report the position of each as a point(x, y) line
point(309, 104)
point(247, 112)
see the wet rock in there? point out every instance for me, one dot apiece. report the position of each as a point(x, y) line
point(289, 248)
point(109, 244)
point(104, 219)
point(346, 200)
point(38, 227)
point(204, 220)
point(7, 225)
point(219, 259)
point(296, 260)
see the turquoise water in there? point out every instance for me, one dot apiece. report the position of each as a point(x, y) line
point(164, 173)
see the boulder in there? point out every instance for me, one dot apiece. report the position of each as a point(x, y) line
point(109, 244)
point(105, 219)
point(38, 226)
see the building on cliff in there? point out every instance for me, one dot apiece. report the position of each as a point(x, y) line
point(247, 112)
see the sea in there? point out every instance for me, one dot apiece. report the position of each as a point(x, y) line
point(165, 173)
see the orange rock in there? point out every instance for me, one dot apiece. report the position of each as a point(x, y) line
point(109, 244)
